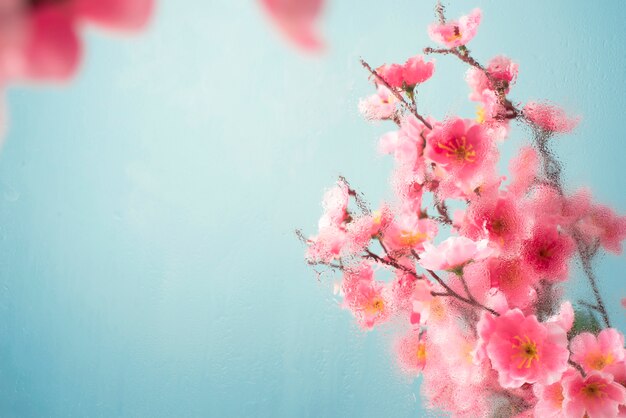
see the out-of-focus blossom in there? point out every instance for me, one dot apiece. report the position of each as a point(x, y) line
point(453, 253)
point(379, 106)
point(523, 168)
point(502, 70)
point(411, 351)
point(368, 299)
point(297, 20)
point(550, 117)
point(409, 232)
point(548, 252)
point(41, 41)
point(457, 32)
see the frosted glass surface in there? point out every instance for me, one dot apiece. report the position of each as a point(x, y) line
point(148, 266)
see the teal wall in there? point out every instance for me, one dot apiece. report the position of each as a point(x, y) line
point(148, 266)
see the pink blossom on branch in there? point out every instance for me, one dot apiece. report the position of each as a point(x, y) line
point(456, 33)
point(454, 253)
point(523, 350)
point(550, 118)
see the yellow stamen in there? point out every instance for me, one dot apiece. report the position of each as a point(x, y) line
point(480, 114)
point(374, 306)
point(412, 238)
point(460, 149)
point(421, 352)
point(598, 361)
point(527, 351)
point(456, 35)
point(594, 390)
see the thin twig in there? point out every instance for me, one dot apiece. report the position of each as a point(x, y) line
point(577, 367)
point(395, 93)
point(440, 10)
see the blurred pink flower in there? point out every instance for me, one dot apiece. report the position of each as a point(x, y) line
point(550, 117)
point(297, 21)
point(379, 106)
point(453, 253)
point(411, 351)
point(548, 252)
point(41, 39)
point(456, 33)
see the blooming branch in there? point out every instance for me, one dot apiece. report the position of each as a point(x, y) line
point(518, 350)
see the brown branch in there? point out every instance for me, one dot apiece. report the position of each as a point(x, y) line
point(440, 10)
point(395, 93)
point(452, 293)
point(551, 166)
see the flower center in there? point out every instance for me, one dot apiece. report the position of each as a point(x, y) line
point(459, 149)
point(526, 351)
point(412, 238)
point(421, 352)
point(456, 34)
point(375, 306)
point(594, 390)
point(598, 361)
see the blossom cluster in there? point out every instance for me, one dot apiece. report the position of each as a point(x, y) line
point(477, 289)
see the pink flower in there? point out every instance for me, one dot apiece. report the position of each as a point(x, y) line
point(594, 396)
point(392, 74)
point(451, 380)
point(523, 350)
point(381, 105)
point(550, 399)
point(416, 70)
point(411, 351)
point(523, 168)
point(548, 252)
point(43, 42)
point(496, 218)
point(456, 33)
point(406, 144)
point(514, 279)
point(502, 70)
point(453, 253)
point(459, 147)
point(327, 245)
point(602, 223)
point(408, 232)
point(335, 204)
point(297, 20)
point(549, 117)
point(360, 231)
point(596, 353)
point(368, 299)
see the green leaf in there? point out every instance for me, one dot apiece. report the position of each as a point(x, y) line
point(585, 321)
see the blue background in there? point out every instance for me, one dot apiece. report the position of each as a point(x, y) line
point(148, 266)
